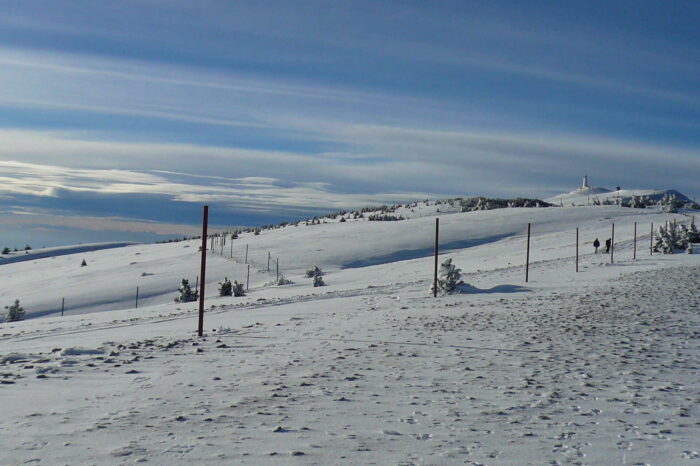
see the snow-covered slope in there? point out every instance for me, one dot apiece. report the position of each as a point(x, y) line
point(111, 277)
point(585, 196)
point(598, 366)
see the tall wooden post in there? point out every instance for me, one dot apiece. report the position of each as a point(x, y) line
point(247, 279)
point(634, 253)
point(278, 269)
point(577, 249)
point(137, 297)
point(437, 246)
point(268, 261)
point(203, 272)
point(612, 245)
point(246, 254)
point(651, 240)
point(231, 257)
point(63, 305)
point(527, 255)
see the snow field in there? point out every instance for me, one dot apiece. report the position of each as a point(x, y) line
point(598, 367)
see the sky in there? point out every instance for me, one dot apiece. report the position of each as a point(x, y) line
point(119, 120)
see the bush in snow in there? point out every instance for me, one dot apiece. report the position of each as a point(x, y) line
point(693, 235)
point(671, 237)
point(313, 272)
point(238, 289)
point(14, 312)
point(6, 251)
point(318, 281)
point(225, 287)
point(449, 278)
point(283, 281)
point(669, 203)
point(83, 264)
point(186, 293)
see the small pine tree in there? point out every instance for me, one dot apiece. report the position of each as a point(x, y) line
point(83, 264)
point(238, 289)
point(15, 312)
point(449, 277)
point(186, 293)
point(6, 251)
point(27, 248)
point(313, 272)
point(225, 287)
point(318, 281)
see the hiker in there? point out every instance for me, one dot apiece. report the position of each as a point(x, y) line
point(596, 245)
point(607, 245)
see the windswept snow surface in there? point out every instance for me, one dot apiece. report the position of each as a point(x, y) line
point(595, 367)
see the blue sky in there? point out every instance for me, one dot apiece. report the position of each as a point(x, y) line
point(120, 119)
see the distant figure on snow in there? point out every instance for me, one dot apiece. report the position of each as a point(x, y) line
point(607, 245)
point(596, 245)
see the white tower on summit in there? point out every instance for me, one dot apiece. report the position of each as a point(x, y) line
point(585, 183)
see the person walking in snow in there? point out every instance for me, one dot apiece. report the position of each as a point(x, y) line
point(607, 245)
point(596, 245)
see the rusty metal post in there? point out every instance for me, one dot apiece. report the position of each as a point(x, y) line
point(437, 247)
point(202, 273)
point(577, 249)
point(527, 255)
point(612, 245)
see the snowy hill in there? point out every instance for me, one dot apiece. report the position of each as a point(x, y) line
point(597, 365)
point(585, 196)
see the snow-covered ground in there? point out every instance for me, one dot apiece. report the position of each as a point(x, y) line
point(595, 367)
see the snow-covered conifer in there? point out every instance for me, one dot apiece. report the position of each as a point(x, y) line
point(238, 289)
point(225, 287)
point(186, 293)
point(14, 312)
point(318, 281)
point(449, 277)
point(313, 272)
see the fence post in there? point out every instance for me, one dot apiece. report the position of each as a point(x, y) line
point(278, 269)
point(205, 220)
point(63, 305)
point(196, 285)
point(137, 297)
point(435, 268)
point(634, 254)
point(246, 254)
point(268, 261)
point(231, 250)
point(247, 279)
point(651, 240)
point(577, 249)
point(612, 245)
point(527, 255)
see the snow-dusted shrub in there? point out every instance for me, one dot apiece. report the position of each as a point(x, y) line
point(283, 281)
point(318, 280)
point(238, 289)
point(669, 203)
point(6, 251)
point(689, 248)
point(671, 237)
point(693, 234)
point(83, 263)
point(449, 278)
point(225, 287)
point(14, 312)
point(311, 273)
point(186, 293)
